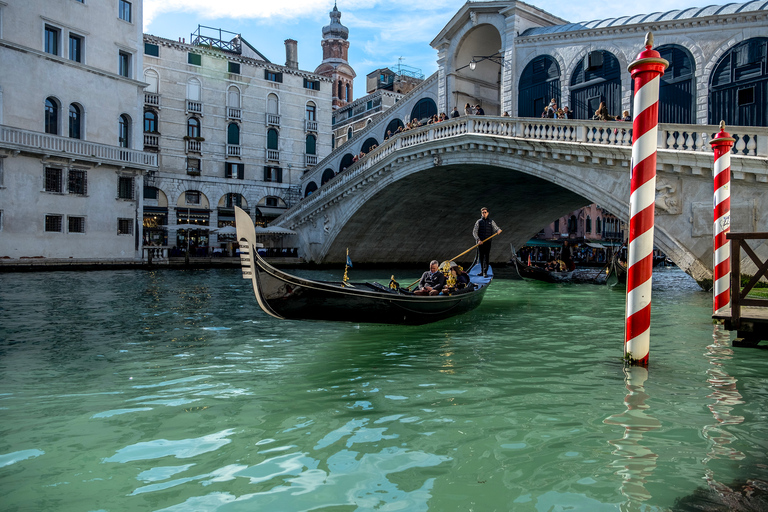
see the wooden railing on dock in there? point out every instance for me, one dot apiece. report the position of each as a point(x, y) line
point(747, 316)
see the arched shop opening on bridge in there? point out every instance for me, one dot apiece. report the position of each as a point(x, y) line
point(539, 83)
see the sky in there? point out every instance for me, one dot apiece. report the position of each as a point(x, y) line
point(381, 32)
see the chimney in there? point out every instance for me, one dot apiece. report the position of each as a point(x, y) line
point(291, 54)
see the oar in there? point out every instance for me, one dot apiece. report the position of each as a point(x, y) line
point(457, 256)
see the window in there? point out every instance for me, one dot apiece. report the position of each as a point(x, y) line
point(557, 226)
point(193, 127)
point(124, 226)
point(75, 121)
point(124, 131)
point(195, 59)
point(233, 97)
point(75, 48)
point(235, 170)
point(273, 174)
point(348, 93)
point(52, 180)
point(271, 202)
point(311, 112)
point(150, 122)
point(233, 67)
point(151, 49)
point(124, 10)
point(273, 104)
point(153, 80)
point(588, 227)
point(312, 84)
point(150, 193)
point(193, 166)
point(77, 182)
point(311, 146)
point(52, 40)
point(51, 116)
point(124, 64)
point(745, 96)
point(232, 200)
point(53, 223)
point(349, 133)
point(76, 224)
point(369, 105)
point(233, 134)
point(273, 76)
point(598, 226)
point(272, 141)
point(192, 197)
point(125, 187)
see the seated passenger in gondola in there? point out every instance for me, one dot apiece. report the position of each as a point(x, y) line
point(458, 282)
point(432, 281)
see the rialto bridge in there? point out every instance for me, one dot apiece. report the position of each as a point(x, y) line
point(416, 196)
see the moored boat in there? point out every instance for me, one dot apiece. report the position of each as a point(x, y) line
point(617, 270)
point(539, 273)
point(285, 296)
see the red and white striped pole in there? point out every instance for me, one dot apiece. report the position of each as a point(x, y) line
point(646, 71)
point(722, 144)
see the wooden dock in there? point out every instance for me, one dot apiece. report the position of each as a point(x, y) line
point(747, 316)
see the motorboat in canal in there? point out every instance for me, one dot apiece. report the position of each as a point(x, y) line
point(285, 296)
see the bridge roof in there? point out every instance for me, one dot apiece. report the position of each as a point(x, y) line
point(689, 13)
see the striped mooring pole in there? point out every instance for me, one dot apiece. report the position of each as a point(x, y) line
point(646, 71)
point(722, 144)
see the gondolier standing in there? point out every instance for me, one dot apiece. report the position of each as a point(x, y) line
point(484, 228)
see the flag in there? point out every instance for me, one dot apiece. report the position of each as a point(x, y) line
point(349, 261)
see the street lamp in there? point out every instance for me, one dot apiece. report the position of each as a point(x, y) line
point(497, 57)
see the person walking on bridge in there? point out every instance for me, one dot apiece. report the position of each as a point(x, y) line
point(484, 228)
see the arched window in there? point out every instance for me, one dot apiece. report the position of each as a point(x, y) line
point(328, 175)
point(588, 227)
point(233, 199)
point(738, 92)
point(194, 88)
point(311, 112)
point(333, 141)
point(348, 95)
point(272, 139)
point(233, 134)
point(370, 142)
point(153, 81)
point(572, 224)
point(676, 88)
point(233, 97)
point(150, 122)
point(311, 147)
point(75, 121)
point(393, 126)
point(339, 95)
point(273, 104)
point(425, 108)
point(539, 83)
point(193, 127)
point(124, 131)
point(51, 116)
point(596, 78)
point(349, 133)
point(311, 187)
point(598, 226)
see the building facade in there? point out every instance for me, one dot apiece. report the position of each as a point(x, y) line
point(71, 158)
point(230, 128)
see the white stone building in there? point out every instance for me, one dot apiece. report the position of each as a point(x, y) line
point(71, 159)
point(230, 128)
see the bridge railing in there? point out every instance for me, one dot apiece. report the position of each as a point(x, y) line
point(751, 141)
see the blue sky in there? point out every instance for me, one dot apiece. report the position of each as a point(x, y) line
point(380, 31)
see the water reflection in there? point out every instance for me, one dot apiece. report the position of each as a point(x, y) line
point(725, 395)
point(635, 462)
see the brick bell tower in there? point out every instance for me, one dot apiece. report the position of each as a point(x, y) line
point(335, 65)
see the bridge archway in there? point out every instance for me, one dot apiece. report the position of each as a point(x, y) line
point(481, 85)
point(346, 161)
point(368, 144)
point(677, 90)
point(311, 187)
point(328, 175)
point(424, 109)
point(738, 92)
point(539, 83)
point(596, 78)
point(393, 126)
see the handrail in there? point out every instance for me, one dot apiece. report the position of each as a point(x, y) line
point(739, 294)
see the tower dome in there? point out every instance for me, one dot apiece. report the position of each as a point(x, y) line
point(335, 30)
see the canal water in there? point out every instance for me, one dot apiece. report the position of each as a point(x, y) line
point(171, 390)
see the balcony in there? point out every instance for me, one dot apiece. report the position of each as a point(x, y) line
point(273, 120)
point(151, 140)
point(194, 107)
point(65, 147)
point(273, 155)
point(234, 113)
point(233, 150)
point(152, 99)
point(311, 126)
point(194, 146)
point(310, 160)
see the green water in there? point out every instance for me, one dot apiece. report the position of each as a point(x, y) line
point(171, 390)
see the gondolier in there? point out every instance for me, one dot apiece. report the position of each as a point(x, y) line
point(484, 228)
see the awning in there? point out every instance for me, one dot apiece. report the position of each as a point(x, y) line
point(542, 243)
point(268, 211)
point(273, 230)
point(594, 245)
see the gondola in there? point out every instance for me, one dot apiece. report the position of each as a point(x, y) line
point(289, 297)
point(538, 273)
point(617, 271)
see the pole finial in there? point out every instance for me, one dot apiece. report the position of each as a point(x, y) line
point(722, 126)
point(649, 40)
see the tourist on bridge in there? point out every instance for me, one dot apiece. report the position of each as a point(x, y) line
point(468, 110)
point(484, 229)
point(454, 113)
point(432, 281)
